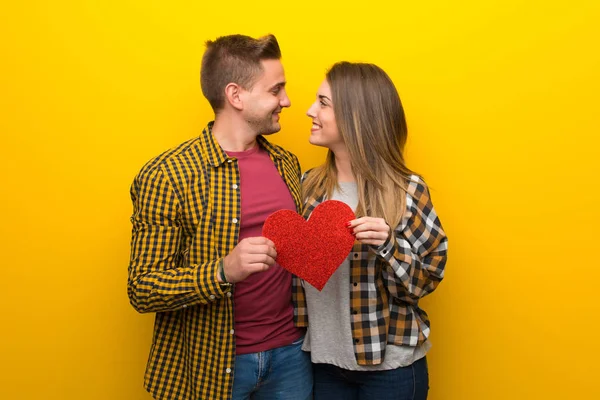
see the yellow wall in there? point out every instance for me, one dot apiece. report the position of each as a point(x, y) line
point(502, 99)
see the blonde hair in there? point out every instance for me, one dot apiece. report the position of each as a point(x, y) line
point(371, 122)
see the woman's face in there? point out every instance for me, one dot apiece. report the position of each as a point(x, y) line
point(324, 131)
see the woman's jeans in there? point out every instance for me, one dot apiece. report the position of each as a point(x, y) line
point(405, 383)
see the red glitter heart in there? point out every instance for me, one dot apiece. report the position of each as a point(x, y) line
point(313, 249)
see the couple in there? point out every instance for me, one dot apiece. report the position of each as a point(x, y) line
point(230, 322)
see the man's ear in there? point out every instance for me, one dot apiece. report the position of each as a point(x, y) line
point(233, 95)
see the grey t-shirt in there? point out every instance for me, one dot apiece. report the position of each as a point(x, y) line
point(329, 335)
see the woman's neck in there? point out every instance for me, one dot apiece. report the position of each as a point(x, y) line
point(343, 167)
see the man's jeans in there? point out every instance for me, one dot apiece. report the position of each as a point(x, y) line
point(284, 373)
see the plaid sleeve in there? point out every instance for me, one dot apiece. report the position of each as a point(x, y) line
point(416, 259)
point(299, 300)
point(159, 278)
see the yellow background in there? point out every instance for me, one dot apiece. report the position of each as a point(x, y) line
point(502, 100)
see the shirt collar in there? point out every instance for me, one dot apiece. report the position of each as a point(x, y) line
point(216, 154)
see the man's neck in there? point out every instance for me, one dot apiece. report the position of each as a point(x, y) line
point(232, 134)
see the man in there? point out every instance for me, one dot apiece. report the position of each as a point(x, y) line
point(198, 211)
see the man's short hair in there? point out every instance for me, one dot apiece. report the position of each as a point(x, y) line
point(234, 59)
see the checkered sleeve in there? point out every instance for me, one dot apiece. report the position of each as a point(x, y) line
point(299, 300)
point(417, 257)
point(159, 278)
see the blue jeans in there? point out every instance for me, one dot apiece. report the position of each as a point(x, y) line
point(406, 383)
point(284, 373)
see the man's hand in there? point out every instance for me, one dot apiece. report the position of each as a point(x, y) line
point(251, 255)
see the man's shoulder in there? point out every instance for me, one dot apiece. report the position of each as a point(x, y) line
point(278, 150)
point(176, 158)
point(287, 154)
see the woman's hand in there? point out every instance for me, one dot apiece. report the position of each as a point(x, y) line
point(369, 230)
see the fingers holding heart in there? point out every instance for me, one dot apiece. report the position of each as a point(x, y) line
point(370, 230)
point(313, 249)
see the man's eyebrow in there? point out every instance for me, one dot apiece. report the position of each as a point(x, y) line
point(280, 84)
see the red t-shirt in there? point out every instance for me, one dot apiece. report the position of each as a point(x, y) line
point(262, 302)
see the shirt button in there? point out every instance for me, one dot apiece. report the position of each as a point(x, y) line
point(235, 186)
point(212, 297)
point(228, 370)
point(356, 341)
point(231, 331)
point(355, 255)
point(185, 306)
point(228, 294)
point(354, 312)
point(234, 220)
point(229, 161)
point(355, 284)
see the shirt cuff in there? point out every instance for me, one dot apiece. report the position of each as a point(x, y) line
point(387, 248)
point(209, 288)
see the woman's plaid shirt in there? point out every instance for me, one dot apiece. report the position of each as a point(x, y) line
point(186, 213)
point(386, 282)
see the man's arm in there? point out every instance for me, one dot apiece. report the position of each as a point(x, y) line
point(160, 278)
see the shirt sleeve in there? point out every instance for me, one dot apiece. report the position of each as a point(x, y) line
point(299, 301)
point(415, 260)
point(160, 278)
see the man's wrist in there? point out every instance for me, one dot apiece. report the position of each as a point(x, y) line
point(221, 269)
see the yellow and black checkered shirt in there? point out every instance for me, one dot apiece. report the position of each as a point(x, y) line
point(387, 281)
point(186, 218)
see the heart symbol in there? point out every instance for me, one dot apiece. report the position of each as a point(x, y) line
point(313, 249)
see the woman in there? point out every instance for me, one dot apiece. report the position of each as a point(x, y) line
point(366, 333)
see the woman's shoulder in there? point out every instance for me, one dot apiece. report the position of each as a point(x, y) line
point(306, 173)
point(416, 186)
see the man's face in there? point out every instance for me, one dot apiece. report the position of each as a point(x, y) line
point(266, 99)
